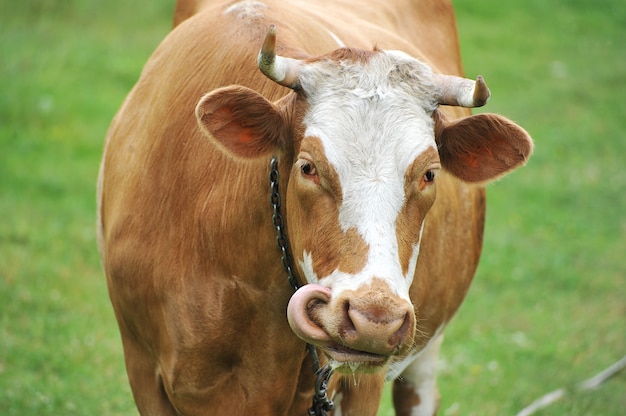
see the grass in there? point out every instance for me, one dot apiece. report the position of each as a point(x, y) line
point(65, 66)
point(547, 307)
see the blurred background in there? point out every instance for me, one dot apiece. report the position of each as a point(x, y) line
point(548, 305)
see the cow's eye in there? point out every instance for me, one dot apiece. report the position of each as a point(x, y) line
point(308, 169)
point(429, 176)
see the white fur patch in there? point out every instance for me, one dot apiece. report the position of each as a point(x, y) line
point(307, 267)
point(336, 39)
point(420, 371)
point(245, 10)
point(410, 274)
point(374, 119)
point(337, 400)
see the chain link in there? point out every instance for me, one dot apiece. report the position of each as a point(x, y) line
point(279, 224)
point(321, 403)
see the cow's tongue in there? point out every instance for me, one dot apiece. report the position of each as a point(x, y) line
point(298, 313)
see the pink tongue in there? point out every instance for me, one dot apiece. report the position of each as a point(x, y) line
point(298, 317)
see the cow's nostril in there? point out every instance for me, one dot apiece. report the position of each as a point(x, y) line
point(374, 331)
point(401, 334)
point(347, 328)
point(375, 324)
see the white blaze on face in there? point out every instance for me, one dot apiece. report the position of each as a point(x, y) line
point(374, 120)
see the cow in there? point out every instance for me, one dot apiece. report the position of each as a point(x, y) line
point(380, 174)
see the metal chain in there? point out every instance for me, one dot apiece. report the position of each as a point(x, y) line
point(321, 403)
point(279, 224)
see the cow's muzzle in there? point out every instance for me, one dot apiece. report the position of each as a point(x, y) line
point(366, 326)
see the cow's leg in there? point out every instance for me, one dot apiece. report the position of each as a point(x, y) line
point(415, 392)
point(146, 382)
point(358, 394)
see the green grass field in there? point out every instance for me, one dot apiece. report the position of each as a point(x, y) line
point(548, 307)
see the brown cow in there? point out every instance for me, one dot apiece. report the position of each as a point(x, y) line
point(380, 187)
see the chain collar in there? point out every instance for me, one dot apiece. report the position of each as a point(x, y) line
point(279, 224)
point(321, 403)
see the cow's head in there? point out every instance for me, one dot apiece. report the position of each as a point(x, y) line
point(365, 144)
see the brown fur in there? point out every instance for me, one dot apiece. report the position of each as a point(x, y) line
point(404, 397)
point(415, 209)
point(358, 393)
point(344, 250)
point(185, 228)
point(481, 147)
point(345, 54)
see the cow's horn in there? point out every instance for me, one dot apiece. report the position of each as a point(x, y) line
point(462, 92)
point(281, 70)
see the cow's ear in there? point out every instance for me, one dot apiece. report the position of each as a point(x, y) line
point(482, 147)
point(242, 120)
